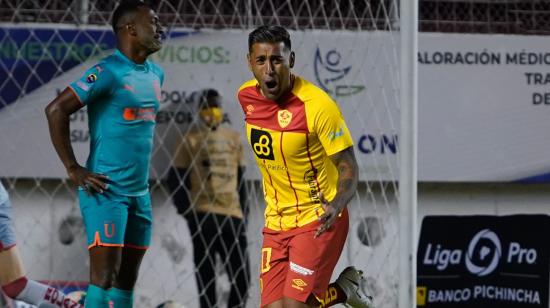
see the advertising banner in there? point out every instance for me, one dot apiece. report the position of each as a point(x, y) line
point(482, 102)
point(480, 261)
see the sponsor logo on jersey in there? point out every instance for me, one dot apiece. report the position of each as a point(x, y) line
point(132, 114)
point(262, 144)
point(336, 134)
point(310, 177)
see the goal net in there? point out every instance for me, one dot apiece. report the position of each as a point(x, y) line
point(348, 48)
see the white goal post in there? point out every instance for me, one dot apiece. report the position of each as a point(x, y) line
point(349, 48)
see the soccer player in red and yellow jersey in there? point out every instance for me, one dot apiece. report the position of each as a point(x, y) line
point(304, 151)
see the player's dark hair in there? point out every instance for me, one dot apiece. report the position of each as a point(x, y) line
point(125, 7)
point(269, 34)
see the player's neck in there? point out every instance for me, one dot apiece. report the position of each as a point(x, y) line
point(288, 90)
point(135, 55)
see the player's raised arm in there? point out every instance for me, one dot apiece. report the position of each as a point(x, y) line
point(348, 175)
point(58, 113)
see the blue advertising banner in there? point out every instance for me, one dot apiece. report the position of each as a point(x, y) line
point(32, 57)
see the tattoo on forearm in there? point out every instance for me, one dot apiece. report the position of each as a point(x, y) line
point(346, 177)
point(347, 174)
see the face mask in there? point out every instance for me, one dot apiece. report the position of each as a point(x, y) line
point(212, 117)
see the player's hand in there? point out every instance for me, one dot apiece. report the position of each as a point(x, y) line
point(329, 217)
point(91, 182)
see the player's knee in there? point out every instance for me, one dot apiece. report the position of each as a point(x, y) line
point(14, 288)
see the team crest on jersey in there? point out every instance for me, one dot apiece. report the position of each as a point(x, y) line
point(91, 78)
point(249, 109)
point(284, 117)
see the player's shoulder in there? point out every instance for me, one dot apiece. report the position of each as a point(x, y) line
point(311, 95)
point(252, 83)
point(247, 93)
point(112, 62)
point(155, 68)
point(109, 65)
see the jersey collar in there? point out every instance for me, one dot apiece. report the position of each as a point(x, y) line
point(138, 67)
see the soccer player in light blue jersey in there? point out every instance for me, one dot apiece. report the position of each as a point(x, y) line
point(122, 94)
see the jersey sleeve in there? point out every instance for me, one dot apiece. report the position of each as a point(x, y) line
point(96, 82)
point(183, 154)
point(331, 128)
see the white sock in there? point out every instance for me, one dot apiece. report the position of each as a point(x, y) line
point(43, 296)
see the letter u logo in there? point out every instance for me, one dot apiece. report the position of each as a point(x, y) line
point(109, 230)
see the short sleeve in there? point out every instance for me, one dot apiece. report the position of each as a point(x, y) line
point(331, 128)
point(183, 154)
point(96, 82)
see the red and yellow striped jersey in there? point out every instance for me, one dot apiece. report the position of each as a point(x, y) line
point(292, 142)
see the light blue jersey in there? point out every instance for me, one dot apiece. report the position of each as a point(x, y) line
point(122, 99)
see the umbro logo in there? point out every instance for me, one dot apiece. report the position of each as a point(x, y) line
point(298, 284)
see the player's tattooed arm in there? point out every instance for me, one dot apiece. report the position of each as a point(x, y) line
point(58, 113)
point(348, 176)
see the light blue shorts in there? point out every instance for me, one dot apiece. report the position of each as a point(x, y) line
point(7, 233)
point(116, 220)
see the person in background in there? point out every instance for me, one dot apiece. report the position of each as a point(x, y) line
point(209, 191)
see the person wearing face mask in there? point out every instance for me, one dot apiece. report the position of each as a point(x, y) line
point(208, 190)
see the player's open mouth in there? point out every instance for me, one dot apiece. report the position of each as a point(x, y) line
point(271, 85)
